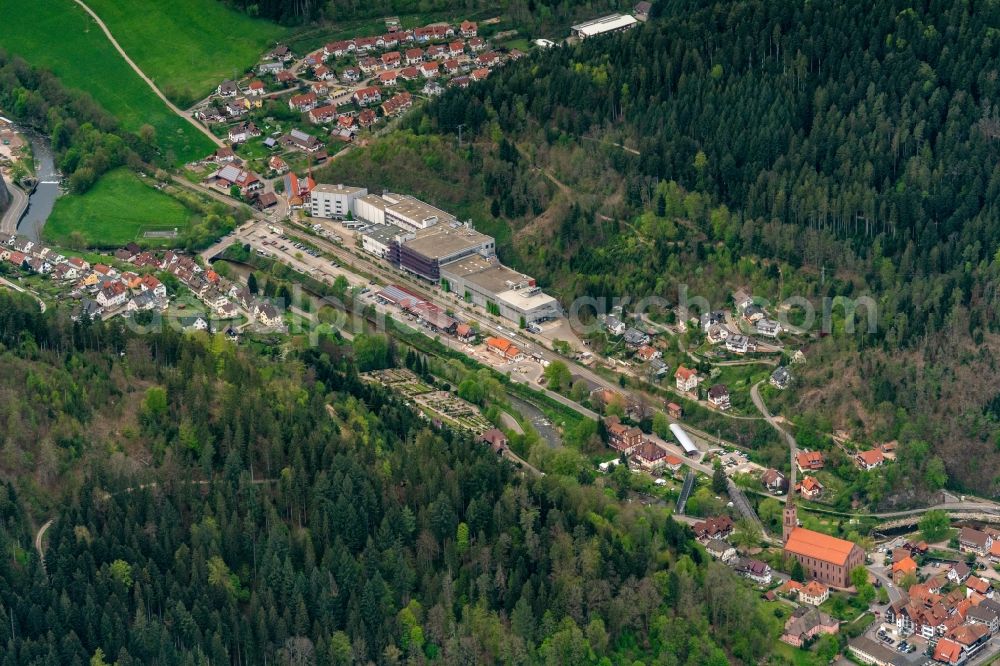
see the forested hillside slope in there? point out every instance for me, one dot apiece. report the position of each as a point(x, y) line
point(544, 16)
point(217, 505)
point(816, 149)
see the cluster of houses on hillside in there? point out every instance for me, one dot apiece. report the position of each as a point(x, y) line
point(719, 330)
point(638, 342)
point(232, 102)
point(103, 290)
point(25, 254)
point(421, 53)
point(222, 298)
point(956, 611)
point(427, 54)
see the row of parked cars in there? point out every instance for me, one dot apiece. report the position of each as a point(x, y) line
point(903, 646)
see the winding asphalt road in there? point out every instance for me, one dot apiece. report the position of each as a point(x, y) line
point(7, 283)
point(792, 444)
point(18, 204)
point(170, 105)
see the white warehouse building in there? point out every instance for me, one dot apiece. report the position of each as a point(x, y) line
point(369, 208)
point(334, 201)
point(605, 24)
point(411, 213)
point(489, 284)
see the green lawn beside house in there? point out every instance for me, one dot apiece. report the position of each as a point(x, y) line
point(116, 211)
point(187, 46)
point(58, 35)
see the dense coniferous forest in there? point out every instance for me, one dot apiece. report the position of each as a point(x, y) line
point(815, 150)
point(872, 133)
point(537, 15)
point(222, 505)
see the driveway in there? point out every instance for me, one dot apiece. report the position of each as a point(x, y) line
point(792, 444)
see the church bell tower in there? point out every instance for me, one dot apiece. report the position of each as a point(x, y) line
point(790, 520)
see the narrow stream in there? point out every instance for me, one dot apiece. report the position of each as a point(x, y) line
point(538, 420)
point(44, 197)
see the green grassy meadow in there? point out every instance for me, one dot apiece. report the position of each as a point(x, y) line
point(60, 36)
point(187, 46)
point(116, 211)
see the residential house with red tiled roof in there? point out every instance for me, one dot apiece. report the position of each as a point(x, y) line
point(869, 460)
point(366, 96)
point(414, 56)
point(686, 378)
point(948, 651)
point(903, 568)
point(391, 59)
point(504, 348)
point(398, 104)
point(714, 527)
point(809, 460)
point(814, 593)
point(429, 69)
point(303, 102)
point(622, 437)
point(809, 487)
point(673, 463)
point(323, 114)
point(975, 584)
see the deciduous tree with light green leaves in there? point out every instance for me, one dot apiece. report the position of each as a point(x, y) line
point(934, 525)
point(121, 571)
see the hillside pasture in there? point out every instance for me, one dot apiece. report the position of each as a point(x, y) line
point(187, 46)
point(58, 35)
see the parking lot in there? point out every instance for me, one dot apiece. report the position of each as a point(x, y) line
point(738, 462)
point(302, 258)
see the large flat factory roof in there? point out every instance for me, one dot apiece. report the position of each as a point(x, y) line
point(384, 233)
point(444, 240)
point(337, 189)
point(373, 200)
point(526, 300)
point(409, 208)
point(491, 276)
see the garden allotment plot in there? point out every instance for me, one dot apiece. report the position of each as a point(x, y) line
point(442, 405)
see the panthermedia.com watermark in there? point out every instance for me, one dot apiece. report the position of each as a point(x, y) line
point(311, 316)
